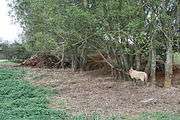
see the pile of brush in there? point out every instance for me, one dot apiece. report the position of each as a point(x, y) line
point(44, 61)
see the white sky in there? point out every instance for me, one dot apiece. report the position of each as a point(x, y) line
point(8, 30)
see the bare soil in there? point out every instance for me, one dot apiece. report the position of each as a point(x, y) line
point(88, 92)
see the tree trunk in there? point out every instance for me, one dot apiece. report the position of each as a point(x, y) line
point(62, 59)
point(153, 66)
point(178, 17)
point(178, 23)
point(168, 65)
point(118, 65)
point(138, 61)
point(153, 60)
point(84, 3)
point(74, 63)
point(125, 65)
point(148, 65)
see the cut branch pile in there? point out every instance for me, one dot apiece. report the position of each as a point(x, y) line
point(44, 61)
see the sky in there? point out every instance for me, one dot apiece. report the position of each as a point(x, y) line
point(8, 30)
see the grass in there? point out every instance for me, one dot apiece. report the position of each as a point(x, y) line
point(19, 100)
point(158, 116)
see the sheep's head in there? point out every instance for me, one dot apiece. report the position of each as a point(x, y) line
point(130, 70)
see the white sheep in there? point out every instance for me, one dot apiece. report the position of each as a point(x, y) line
point(138, 75)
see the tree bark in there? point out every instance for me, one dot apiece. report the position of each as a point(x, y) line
point(84, 2)
point(138, 61)
point(62, 59)
point(125, 65)
point(168, 65)
point(178, 23)
point(148, 65)
point(178, 17)
point(153, 66)
point(74, 63)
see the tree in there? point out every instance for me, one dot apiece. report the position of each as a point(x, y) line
point(124, 31)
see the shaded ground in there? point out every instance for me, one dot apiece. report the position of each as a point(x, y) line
point(83, 93)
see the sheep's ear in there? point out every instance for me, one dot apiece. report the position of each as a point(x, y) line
point(131, 68)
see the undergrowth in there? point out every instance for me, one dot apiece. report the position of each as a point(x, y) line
point(19, 100)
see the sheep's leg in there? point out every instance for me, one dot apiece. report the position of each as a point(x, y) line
point(145, 83)
point(133, 81)
point(142, 81)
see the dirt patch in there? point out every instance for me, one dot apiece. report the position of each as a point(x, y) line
point(83, 93)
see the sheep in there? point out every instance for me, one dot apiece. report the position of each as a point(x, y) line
point(138, 75)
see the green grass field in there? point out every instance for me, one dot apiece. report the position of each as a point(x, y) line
point(19, 100)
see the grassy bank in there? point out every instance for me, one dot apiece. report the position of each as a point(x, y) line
point(19, 100)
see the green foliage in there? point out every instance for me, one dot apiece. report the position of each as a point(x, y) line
point(15, 51)
point(20, 100)
point(46, 23)
point(158, 116)
point(64, 21)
